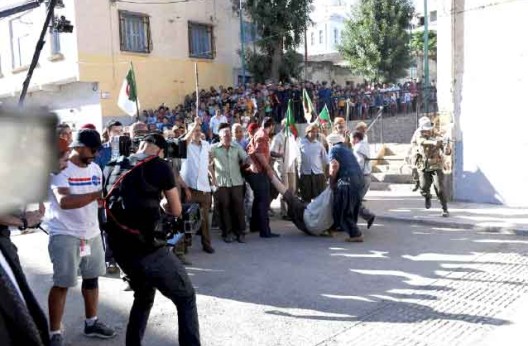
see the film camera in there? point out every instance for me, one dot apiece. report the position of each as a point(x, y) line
point(175, 230)
point(176, 147)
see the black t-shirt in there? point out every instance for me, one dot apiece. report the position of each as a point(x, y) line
point(141, 191)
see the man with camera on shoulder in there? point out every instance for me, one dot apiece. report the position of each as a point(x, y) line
point(133, 188)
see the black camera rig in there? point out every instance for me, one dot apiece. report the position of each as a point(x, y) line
point(174, 230)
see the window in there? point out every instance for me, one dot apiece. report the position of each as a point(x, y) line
point(336, 36)
point(134, 32)
point(22, 43)
point(55, 41)
point(312, 38)
point(201, 43)
point(320, 36)
point(433, 16)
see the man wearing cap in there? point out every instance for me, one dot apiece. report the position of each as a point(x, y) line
point(414, 152)
point(346, 178)
point(430, 166)
point(312, 165)
point(258, 177)
point(75, 243)
point(140, 253)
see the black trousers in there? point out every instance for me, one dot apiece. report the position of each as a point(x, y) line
point(231, 210)
point(163, 271)
point(347, 201)
point(260, 185)
point(435, 178)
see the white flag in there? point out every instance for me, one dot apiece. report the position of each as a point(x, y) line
point(128, 95)
point(291, 152)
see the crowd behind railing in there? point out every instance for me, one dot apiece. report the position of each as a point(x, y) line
point(256, 101)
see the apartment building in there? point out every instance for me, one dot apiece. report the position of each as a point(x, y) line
point(80, 74)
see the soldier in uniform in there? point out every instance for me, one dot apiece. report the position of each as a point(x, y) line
point(414, 153)
point(430, 164)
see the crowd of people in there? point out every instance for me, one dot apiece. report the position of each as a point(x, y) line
point(232, 170)
point(256, 101)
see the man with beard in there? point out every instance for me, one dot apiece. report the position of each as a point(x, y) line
point(75, 243)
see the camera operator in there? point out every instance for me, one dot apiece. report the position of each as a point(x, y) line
point(133, 234)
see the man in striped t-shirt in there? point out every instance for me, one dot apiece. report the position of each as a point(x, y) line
point(75, 241)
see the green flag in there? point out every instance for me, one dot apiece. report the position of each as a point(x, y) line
point(290, 120)
point(324, 116)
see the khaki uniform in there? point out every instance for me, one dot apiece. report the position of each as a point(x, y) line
point(430, 163)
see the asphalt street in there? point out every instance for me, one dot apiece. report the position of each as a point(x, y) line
point(405, 285)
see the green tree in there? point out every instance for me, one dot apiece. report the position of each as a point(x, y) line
point(376, 40)
point(417, 44)
point(280, 26)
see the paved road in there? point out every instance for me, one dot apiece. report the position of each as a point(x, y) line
point(406, 285)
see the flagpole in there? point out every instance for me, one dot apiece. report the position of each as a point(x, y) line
point(197, 94)
point(135, 86)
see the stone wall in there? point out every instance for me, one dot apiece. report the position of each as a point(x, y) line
point(328, 71)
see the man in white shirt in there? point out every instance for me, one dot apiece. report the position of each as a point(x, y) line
point(215, 122)
point(362, 152)
point(313, 161)
point(75, 241)
point(195, 172)
point(287, 177)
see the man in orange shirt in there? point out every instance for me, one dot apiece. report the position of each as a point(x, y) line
point(258, 177)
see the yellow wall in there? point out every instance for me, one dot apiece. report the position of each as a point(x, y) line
point(158, 79)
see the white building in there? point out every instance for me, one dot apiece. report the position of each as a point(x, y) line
point(328, 17)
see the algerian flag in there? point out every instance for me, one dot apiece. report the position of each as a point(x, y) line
point(307, 106)
point(290, 120)
point(324, 116)
point(128, 95)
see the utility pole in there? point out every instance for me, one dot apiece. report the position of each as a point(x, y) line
point(305, 52)
point(242, 48)
point(425, 84)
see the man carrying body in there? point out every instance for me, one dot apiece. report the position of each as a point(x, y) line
point(228, 158)
point(346, 178)
point(313, 159)
point(75, 240)
point(134, 214)
point(258, 177)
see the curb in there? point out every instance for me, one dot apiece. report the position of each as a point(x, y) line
point(511, 229)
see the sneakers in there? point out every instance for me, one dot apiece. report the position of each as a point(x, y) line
point(358, 239)
point(99, 330)
point(445, 213)
point(56, 340)
point(112, 269)
point(209, 249)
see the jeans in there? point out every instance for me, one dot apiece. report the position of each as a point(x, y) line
point(160, 270)
point(260, 185)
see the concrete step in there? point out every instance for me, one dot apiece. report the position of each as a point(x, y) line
point(392, 178)
point(382, 186)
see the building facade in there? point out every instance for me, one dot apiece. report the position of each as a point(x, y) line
point(482, 78)
point(80, 74)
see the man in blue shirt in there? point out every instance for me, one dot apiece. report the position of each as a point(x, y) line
point(346, 178)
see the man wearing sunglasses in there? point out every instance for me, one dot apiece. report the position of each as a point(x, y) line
point(75, 242)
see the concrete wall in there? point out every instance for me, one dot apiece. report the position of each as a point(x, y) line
point(482, 78)
point(167, 73)
point(327, 71)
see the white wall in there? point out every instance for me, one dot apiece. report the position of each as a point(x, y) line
point(75, 103)
point(61, 70)
point(488, 77)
